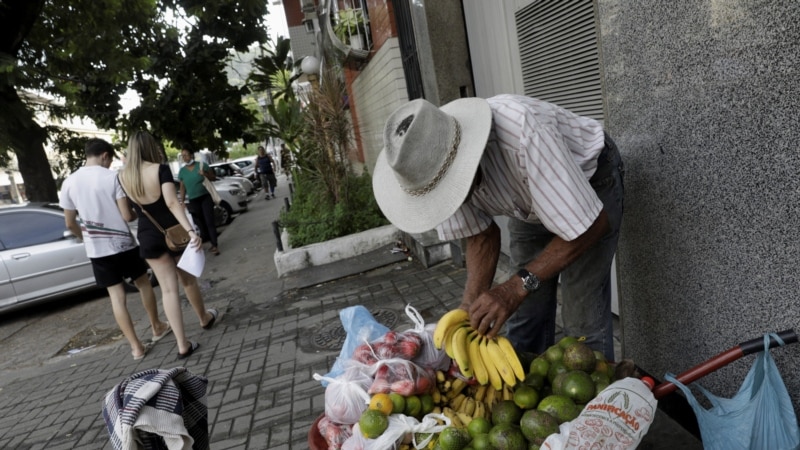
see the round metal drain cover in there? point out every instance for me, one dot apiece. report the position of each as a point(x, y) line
point(332, 336)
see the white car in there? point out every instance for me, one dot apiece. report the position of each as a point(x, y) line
point(233, 199)
point(230, 171)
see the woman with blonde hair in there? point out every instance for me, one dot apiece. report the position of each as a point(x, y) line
point(149, 184)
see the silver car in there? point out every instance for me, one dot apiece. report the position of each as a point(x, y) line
point(39, 258)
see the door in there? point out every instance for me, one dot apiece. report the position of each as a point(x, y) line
point(40, 261)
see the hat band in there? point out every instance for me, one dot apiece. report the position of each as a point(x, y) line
point(451, 155)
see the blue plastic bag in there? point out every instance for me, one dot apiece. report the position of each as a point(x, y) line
point(760, 416)
point(360, 327)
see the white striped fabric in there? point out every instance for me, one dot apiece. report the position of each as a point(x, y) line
point(536, 167)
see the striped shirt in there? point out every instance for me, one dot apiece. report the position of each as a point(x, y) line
point(536, 168)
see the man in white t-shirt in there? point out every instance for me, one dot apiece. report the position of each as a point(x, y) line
point(555, 175)
point(94, 193)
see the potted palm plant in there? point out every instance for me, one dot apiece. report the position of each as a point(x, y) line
point(350, 27)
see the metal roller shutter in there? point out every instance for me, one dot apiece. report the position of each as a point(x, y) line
point(559, 57)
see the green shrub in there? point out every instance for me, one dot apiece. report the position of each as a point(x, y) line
point(314, 217)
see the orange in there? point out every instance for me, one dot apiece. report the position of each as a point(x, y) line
point(373, 423)
point(382, 402)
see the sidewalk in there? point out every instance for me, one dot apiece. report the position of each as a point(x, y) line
point(260, 356)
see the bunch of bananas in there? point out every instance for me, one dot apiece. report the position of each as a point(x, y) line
point(461, 401)
point(490, 361)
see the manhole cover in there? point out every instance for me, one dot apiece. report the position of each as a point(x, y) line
point(332, 336)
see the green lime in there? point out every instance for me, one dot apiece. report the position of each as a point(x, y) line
point(539, 366)
point(479, 425)
point(398, 403)
point(526, 397)
point(373, 423)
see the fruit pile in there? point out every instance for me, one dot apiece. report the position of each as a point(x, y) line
point(485, 399)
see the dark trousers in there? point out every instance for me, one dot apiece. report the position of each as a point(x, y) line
point(202, 211)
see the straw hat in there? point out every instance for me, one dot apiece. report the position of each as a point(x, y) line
point(429, 160)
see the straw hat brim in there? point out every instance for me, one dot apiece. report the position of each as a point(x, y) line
point(417, 214)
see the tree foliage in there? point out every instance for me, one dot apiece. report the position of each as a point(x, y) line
point(87, 53)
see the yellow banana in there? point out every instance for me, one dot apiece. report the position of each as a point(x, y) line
point(456, 388)
point(447, 321)
point(469, 407)
point(480, 393)
point(511, 357)
point(464, 418)
point(491, 397)
point(436, 395)
point(500, 363)
point(478, 365)
point(455, 402)
point(479, 409)
point(448, 338)
point(494, 376)
point(440, 376)
point(460, 353)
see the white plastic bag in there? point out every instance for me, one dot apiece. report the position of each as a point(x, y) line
point(399, 426)
point(360, 326)
point(618, 418)
point(346, 396)
point(429, 356)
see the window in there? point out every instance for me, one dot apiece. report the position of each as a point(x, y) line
point(24, 228)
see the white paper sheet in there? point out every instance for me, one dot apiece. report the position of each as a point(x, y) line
point(193, 260)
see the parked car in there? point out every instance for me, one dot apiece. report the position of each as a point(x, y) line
point(233, 199)
point(232, 172)
point(247, 166)
point(40, 260)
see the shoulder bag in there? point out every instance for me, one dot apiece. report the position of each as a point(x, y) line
point(176, 237)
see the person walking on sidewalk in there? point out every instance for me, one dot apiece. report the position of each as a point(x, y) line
point(149, 184)
point(200, 202)
point(266, 172)
point(94, 194)
point(557, 176)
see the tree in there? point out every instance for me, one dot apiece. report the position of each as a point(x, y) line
point(87, 53)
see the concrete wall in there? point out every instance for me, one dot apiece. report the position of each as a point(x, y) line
point(443, 50)
point(702, 100)
point(377, 91)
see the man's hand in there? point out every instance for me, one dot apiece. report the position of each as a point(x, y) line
point(492, 308)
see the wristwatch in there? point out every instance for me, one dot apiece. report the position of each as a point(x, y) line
point(529, 281)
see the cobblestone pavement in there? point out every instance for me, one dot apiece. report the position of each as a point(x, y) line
point(259, 358)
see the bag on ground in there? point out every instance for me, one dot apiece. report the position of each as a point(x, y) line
point(759, 416)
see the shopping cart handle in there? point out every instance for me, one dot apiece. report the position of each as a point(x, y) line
point(723, 359)
point(757, 345)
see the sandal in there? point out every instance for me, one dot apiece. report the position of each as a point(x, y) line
point(192, 347)
point(155, 338)
point(214, 313)
point(214, 250)
point(144, 353)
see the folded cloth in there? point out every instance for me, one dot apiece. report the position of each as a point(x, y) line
point(158, 409)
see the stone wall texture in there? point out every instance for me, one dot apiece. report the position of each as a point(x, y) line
point(702, 98)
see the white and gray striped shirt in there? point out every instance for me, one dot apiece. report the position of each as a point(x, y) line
point(536, 167)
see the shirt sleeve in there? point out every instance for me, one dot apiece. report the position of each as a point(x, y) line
point(467, 221)
point(165, 174)
point(64, 200)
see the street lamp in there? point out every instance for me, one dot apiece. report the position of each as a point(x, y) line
point(310, 67)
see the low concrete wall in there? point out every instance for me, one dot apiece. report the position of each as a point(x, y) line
point(334, 250)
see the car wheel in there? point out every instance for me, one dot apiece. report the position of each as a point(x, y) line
point(227, 213)
point(129, 286)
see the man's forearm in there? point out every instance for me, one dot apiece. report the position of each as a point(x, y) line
point(559, 254)
point(482, 254)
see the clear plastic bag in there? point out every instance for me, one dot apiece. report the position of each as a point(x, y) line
point(360, 327)
point(400, 427)
point(429, 356)
point(335, 434)
point(759, 416)
point(346, 396)
point(401, 376)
